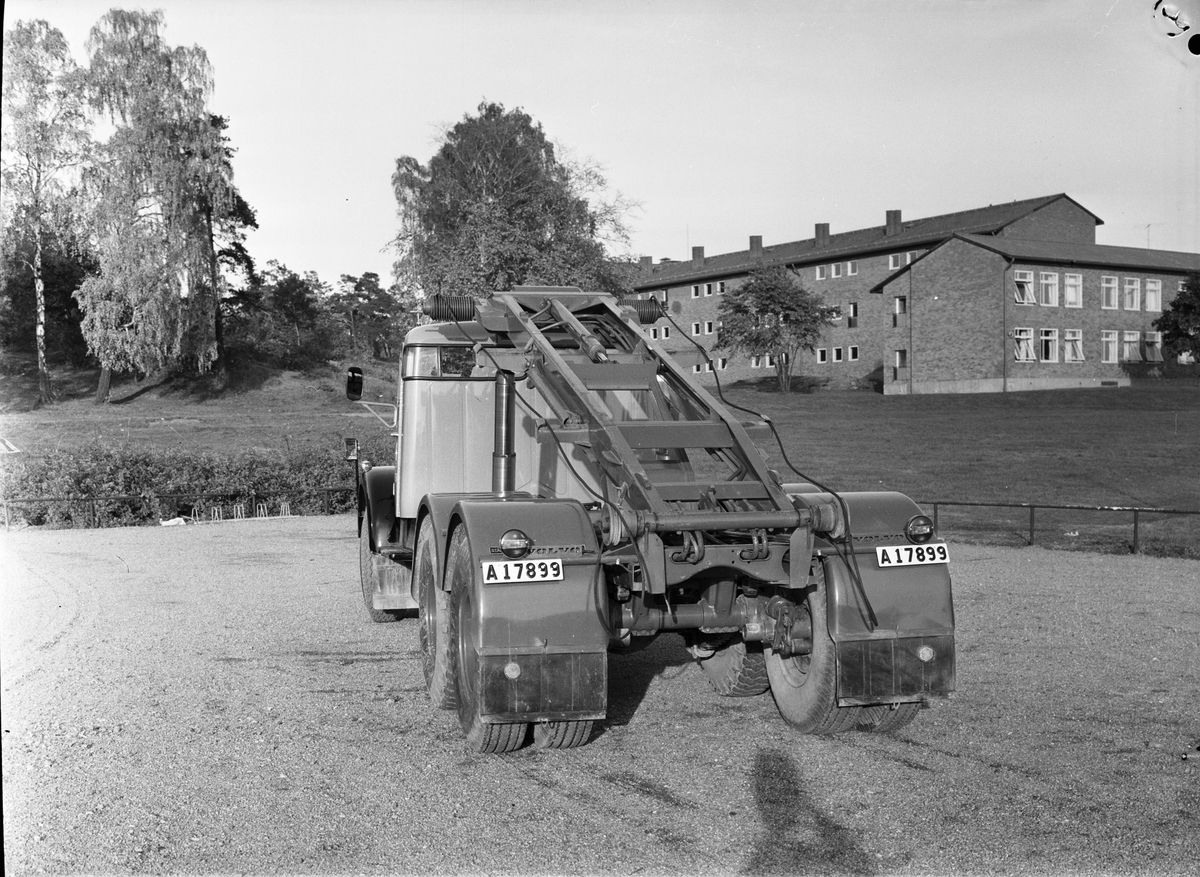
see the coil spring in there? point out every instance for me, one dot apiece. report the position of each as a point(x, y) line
point(446, 308)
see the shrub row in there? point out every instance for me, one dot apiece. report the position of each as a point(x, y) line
point(94, 471)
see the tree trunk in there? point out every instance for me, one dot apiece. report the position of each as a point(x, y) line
point(102, 389)
point(783, 368)
point(218, 364)
point(45, 387)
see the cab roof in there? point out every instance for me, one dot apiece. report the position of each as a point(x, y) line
point(447, 333)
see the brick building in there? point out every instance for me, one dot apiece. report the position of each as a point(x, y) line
point(1006, 297)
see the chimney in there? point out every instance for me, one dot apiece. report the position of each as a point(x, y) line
point(645, 262)
point(756, 245)
point(894, 225)
point(822, 235)
point(697, 257)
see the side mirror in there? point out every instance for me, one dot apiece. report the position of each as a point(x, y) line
point(354, 384)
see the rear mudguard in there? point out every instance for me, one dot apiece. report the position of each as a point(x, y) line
point(906, 652)
point(551, 636)
point(377, 503)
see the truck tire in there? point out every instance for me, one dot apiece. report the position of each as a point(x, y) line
point(463, 620)
point(433, 613)
point(805, 686)
point(369, 578)
point(737, 669)
point(561, 735)
point(884, 719)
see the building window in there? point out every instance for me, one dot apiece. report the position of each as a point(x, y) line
point(1049, 288)
point(820, 272)
point(1154, 295)
point(852, 354)
point(695, 328)
point(1108, 346)
point(720, 287)
point(654, 334)
point(893, 261)
point(721, 363)
point(901, 304)
point(901, 359)
point(911, 257)
point(1048, 342)
point(1108, 294)
point(1129, 347)
point(851, 268)
point(835, 270)
point(1154, 347)
point(708, 327)
point(697, 368)
point(1072, 345)
point(1024, 291)
point(1023, 345)
point(1133, 293)
point(1073, 290)
point(708, 289)
point(822, 355)
point(666, 332)
point(837, 354)
point(696, 291)
point(852, 315)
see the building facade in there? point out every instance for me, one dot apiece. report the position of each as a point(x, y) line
point(1005, 297)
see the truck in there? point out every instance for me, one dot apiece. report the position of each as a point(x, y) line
point(563, 488)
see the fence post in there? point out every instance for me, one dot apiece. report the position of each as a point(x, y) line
point(95, 515)
point(1031, 511)
point(1135, 531)
point(326, 501)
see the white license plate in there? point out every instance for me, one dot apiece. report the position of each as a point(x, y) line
point(911, 555)
point(498, 572)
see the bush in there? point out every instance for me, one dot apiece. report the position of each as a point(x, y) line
point(157, 484)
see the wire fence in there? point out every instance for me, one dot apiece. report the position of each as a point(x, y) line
point(1138, 515)
point(100, 511)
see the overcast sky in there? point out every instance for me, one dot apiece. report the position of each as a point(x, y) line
point(723, 119)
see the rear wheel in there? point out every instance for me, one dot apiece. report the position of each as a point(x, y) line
point(463, 632)
point(736, 669)
point(433, 613)
point(886, 718)
point(370, 575)
point(561, 735)
point(805, 686)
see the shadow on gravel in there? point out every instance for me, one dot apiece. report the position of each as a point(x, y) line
point(796, 837)
point(630, 674)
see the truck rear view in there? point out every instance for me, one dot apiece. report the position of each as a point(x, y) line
point(563, 488)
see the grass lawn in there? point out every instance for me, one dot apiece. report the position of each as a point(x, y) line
point(1137, 446)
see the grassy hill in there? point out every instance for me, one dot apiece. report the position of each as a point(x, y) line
point(1136, 446)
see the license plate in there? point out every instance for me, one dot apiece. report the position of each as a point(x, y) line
point(498, 572)
point(911, 555)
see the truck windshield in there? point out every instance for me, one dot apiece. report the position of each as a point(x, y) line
point(443, 362)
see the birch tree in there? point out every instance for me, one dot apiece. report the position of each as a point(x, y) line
point(163, 186)
point(46, 139)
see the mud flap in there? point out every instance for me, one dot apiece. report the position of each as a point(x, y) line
point(542, 646)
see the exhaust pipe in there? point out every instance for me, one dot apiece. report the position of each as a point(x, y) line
point(504, 459)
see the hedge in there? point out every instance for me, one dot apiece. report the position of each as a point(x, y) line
point(91, 472)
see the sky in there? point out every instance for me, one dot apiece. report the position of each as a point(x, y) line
point(721, 119)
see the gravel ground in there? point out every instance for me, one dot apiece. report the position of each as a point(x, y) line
point(211, 699)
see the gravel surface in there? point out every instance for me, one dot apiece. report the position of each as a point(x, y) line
point(212, 699)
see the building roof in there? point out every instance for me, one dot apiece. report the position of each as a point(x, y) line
point(913, 233)
point(1066, 253)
